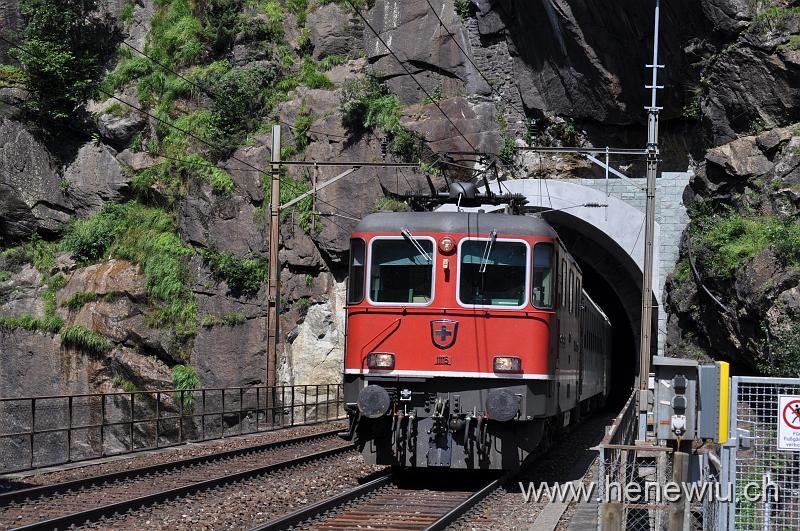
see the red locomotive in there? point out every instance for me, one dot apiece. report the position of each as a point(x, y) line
point(469, 339)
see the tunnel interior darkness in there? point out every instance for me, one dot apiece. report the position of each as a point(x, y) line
point(624, 365)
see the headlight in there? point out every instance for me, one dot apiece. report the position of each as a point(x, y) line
point(446, 244)
point(380, 360)
point(507, 364)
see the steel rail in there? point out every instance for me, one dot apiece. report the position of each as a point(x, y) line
point(21, 495)
point(464, 507)
point(319, 508)
point(91, 515)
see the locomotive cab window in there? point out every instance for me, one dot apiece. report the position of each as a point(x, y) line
point(542, 295)
point(493, 273)
point(355, 282)
point(401, 271)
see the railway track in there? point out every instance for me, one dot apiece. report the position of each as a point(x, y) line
point(390, 502)
point(83, 501)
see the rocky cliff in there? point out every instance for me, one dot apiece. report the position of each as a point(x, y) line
point(133, 223)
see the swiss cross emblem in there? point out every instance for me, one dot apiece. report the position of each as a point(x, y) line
point(443, 332)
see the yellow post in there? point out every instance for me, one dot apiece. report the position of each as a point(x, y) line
point(724, 397)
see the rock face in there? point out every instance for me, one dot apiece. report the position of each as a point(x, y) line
point(94, 178)
point(10, 20)
point(334, 31)
point(30, 197)
point(750, 315)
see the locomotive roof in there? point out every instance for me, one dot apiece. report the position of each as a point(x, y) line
point(456, 222)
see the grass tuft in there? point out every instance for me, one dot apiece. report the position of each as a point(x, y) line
point(81, 338)
point(185, 378)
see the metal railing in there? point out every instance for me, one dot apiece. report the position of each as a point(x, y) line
point(51, 430)
point(622, 463)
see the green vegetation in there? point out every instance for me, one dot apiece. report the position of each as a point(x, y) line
point(82, 298)
point(311, 77)
point(682, 271)
point(307, 218)
point(328, 62)
point(184, 378)
point(242, 275)
point(146, 236)
point(309, 280)
point(299, 8)
point(5, 276)
point(123, 383)
point(384, 203)
point(65, 46)
point(726, 242)
point(11, 76)
point(366, 105)
point(234, 318)
point(508, 147)
point(126, 15)
point(302, 125)
point(303, 304)
point(27, 322)
point(81, 338)
point(783, 352)
point(465, 9)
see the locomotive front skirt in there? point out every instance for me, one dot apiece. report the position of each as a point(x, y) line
point(469, 339)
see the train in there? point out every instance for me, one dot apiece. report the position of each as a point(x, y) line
point(470, 341)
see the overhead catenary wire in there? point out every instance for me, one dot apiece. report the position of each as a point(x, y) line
point(293, 186)
point(476, 67)
point(405, 68)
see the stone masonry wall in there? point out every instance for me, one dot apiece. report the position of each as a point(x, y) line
point(670, 215)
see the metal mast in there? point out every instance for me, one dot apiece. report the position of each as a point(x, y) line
point(650, 214)
point(274, 265)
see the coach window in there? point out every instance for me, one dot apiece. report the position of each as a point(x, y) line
point(543, 276)
point(355, 281)
point(401, 271)
point(563, 283)
point(493, 273)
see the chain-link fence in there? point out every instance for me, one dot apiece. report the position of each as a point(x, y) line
point(766, 479)
point(50, 430)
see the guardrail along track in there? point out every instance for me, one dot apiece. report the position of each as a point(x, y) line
point(86, 500)
point(390, 502)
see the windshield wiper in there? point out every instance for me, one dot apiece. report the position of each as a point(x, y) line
point(405, 232)
point(487, 251)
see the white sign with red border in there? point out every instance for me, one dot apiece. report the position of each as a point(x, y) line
point(789, 423)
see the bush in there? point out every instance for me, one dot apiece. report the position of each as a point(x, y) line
point(78, 337)
point(242, 275)
point(240, 97)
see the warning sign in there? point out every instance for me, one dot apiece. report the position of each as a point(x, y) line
point(789, 423)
